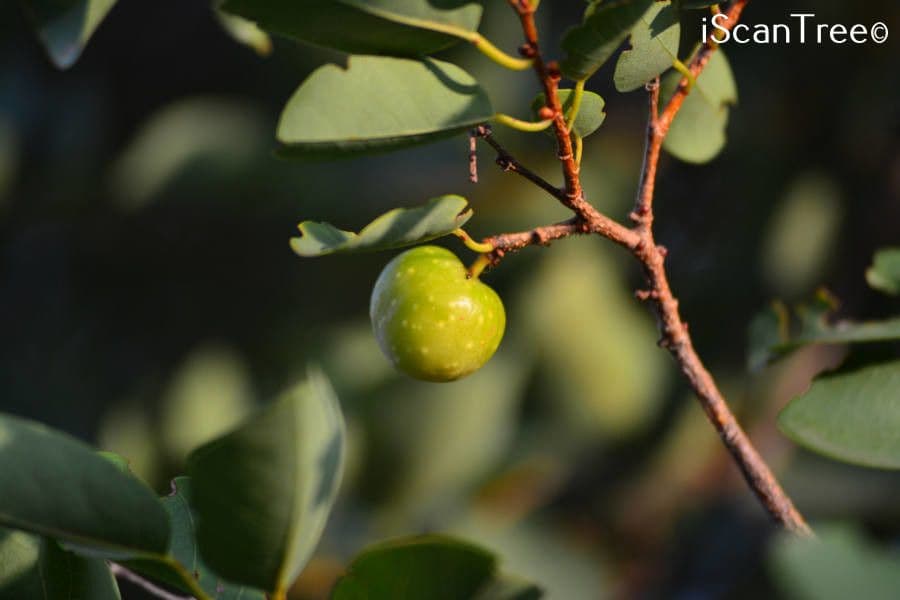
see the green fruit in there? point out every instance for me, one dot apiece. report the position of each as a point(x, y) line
point(431, 320)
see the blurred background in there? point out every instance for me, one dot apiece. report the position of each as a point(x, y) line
point(149, 300)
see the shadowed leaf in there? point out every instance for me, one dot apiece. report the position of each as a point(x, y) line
point(57, 486)
point(590, 115)
point(884, 274)
point(392, 27)
point(262, 493)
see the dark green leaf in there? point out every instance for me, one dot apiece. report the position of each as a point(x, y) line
point(57, 486)
point(853, 416)
point(605, 27)
point(65, 26)
point(590, 115)
point(379, 104)
point(697, 134)
point(35, 567)
point(262, 493)
point(839, 564)
point(654, 47)
point(183, 549)
point(774, 333)
point(393, 27)
point(394, 229)
point(433, 567)
point(884, 274)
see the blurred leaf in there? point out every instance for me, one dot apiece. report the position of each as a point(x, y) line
point(606, 25)
point(563, 566)
point(594, 364)
point(774, 333)
point(397, 228)
point(262, 493)
point(697, 134)
point(243, 31)
point(590, 115)
point(884, 274)
point(183, 548)
point(209, 395)
point(433, 567)
point(35, 567)
point(441, 440)
point(654, 47)
point(65, 26)
point(379, 104)
point(693, 4)
point(794, 258)
point(127, 430)
point(117, 459)
point(393, 27)
point(837, 565)
point(57, 486)
point(9, 158)
point(221, 135)
point(850, 415)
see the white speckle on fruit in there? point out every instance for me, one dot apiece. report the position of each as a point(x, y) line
point(469, 345)
point(441, 324)
point(404, 323)
point(423, 350)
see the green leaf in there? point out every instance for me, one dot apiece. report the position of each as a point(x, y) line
point(65, 26)
point(262, 493)
point(774, 333)
point(394, 229)
point(56, 486)
point(654, 47)
point(850, 415)
point(183, 549)
point(692, 4)
point(838, 564)
point(884, 274)
point(392, 27)
point(605, 27)
point(590, 115)
point(378, 104)
point(35, 567)
point(697, 134)
point(432, 566)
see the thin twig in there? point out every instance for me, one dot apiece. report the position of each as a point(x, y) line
point(507, 162)
point(148, 586)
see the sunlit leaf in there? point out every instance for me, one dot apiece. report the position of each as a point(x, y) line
point(35, 567)
point(65, 26)
point(606, 25)
point(884, 274)
point(850, 415)
point(243, 31)
point(590, 115)
point(697, 134)
point(837, 564)
point(55, 485)
point(262, 493)
point(434, 567)
point(654, 47)
point(393, 27)
point(379, 104)
point(394, 229)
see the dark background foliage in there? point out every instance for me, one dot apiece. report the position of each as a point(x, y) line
point(148, 295)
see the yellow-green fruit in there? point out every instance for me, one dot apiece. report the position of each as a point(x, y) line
point(431, 320)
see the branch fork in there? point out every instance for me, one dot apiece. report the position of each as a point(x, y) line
point(639, 240)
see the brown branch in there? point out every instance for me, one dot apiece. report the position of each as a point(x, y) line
point(674, 331)
point(148, 586)
point(507, 162)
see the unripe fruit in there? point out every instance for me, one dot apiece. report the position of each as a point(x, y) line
point(431, 320)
